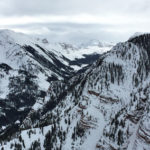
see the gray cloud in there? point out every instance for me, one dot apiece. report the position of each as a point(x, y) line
point(63, 7)
point(76, 20)
point(72, 32)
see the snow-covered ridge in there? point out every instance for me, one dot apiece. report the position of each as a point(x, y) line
point(69, 51)
point(137, 34)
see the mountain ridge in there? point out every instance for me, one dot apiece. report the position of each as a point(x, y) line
point(104, 108)
point(27, 70)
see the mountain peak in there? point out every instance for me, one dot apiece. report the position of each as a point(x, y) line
point(14, 37)
point(137, 35)
point(6, 31)
point(10, 33)
point(142, 41)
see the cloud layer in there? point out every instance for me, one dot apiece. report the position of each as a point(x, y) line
point(77, 20)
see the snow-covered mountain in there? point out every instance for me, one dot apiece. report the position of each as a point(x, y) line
point(107, 107)
point(29, 69)
point(80, 55)
point(26, 69)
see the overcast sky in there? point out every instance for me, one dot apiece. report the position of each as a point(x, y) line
point(77, 20)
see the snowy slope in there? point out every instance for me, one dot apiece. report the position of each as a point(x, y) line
point(17, 51)
point(28, 69)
